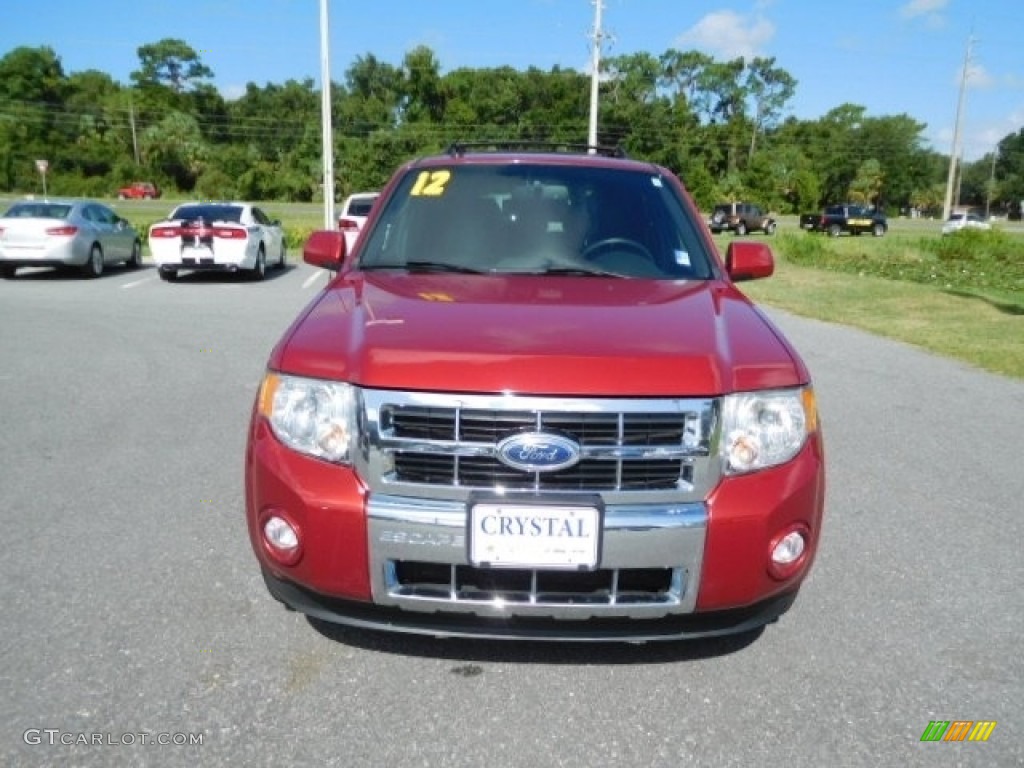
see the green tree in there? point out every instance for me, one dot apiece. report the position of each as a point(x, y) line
point(769, 88)
point(175, 147)
point(32, 87)
point(171, 63)
point(374, 97)
point(867, 184)
point(1010, 172)
point(423, 97)
point(96, 133)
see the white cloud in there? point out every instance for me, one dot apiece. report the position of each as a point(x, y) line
point(232, 92)
point(923, 8)
point(979, 77)
point(729, 34)
point(979, 137)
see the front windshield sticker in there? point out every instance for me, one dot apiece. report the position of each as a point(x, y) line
point(656, 181)
point(431, 183)
point(446, 297)
point(682, 258)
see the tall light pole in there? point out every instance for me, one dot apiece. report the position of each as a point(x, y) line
point(325, 110)
point(595, 75)
point(954, 154)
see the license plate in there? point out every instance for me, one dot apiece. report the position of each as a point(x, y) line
point(521, 536)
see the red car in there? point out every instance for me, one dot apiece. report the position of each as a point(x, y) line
point(139, 190)
point(534, 404)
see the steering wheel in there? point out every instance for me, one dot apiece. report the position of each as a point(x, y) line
point(623, 243)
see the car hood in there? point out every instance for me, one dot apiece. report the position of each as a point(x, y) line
point(539, 335)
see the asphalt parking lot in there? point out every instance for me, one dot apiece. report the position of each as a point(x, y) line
point(134, 608)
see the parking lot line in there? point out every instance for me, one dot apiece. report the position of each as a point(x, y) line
point(311, 279)
point(134, 283)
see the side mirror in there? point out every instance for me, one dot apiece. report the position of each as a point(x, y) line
point(749, 261)
point(325, 248)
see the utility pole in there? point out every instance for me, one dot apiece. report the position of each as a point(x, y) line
point(131, 118)
point(954, 154)
point(325, 110)
point(595, 74)
point(991, 185)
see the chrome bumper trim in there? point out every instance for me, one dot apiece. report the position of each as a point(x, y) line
point(635, 536)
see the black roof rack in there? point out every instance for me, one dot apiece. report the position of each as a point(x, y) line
point(457, 148)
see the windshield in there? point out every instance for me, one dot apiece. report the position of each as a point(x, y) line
point(208, 212)
point(38, 211)
point(537, 219)
point(359, 206)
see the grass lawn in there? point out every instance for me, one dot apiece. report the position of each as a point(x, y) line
point(971, 320)
point(987, 332)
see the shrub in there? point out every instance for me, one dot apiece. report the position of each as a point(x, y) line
point(968, 260)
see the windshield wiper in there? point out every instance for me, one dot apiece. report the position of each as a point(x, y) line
point(582, 271)
point(428, 266)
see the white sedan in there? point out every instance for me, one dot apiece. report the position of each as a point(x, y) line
point(958, 221)
point(354, 212)
point(222, 237)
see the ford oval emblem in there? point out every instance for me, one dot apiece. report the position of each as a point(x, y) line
point(538, 452)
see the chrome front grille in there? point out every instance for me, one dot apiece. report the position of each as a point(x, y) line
point(433, 444)
point(424, 456)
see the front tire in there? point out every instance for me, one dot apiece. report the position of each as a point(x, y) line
point(741, 229)
point(769, 228)
point(7, 272)
point(878, 230)
point(93, 268)
point(284, 255)
point(167, 275)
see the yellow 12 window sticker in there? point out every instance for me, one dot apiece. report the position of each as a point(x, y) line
point(431, 183)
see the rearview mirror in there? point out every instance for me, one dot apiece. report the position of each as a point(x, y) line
point(325, 248)
point(749, 260)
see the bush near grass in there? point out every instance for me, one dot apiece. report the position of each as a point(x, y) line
point(969, 260)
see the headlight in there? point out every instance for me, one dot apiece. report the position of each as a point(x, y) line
point(764, 429)
point(310, 416)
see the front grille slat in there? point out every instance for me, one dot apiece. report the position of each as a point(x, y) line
point(464, 583)
point(621, 451)
point(485, 472)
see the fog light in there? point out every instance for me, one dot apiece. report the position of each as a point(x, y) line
point(789, 549)
point(282, 540)
point(788, 553)
point(280, 534)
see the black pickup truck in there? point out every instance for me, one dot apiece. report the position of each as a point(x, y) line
point(836, 219)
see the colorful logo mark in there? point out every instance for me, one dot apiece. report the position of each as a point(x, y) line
point(958, 730)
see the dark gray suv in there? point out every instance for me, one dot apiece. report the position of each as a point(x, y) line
point(741, 218)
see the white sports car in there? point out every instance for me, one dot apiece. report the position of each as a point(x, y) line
point(225, 237)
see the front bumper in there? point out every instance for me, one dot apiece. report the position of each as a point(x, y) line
point(458, 625)
point(395, 562)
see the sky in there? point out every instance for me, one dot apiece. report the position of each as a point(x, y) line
point(891, 57)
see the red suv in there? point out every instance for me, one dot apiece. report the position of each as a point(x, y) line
point(139, 190)
point(532, 403)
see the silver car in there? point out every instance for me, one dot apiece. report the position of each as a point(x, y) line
point(66, 233)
